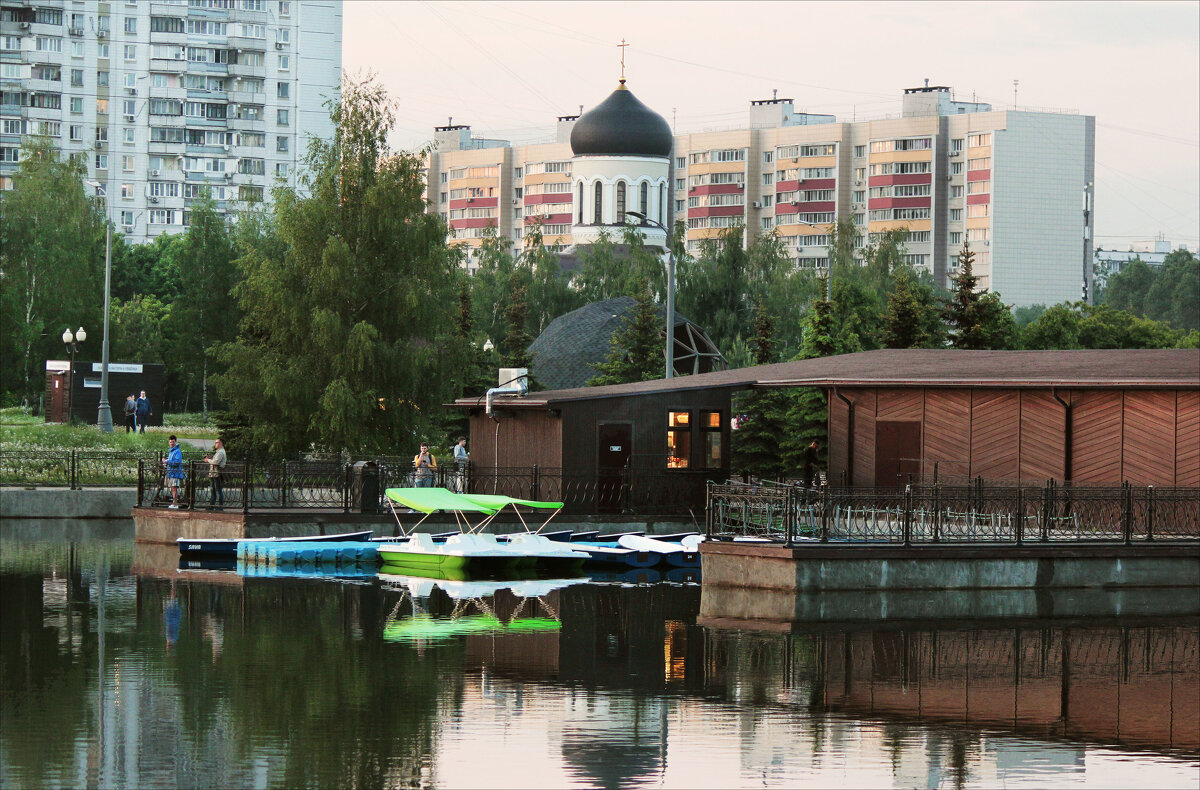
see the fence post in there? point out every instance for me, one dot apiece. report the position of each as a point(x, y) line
point(283, 484)
point(190, 490)
point(708, 510)
point(826, 495)
point(536, 482)
point(1047, 499)
point(141, 481)
point(1127, 519)
point(1020, 524)
point(72, 470)
point(907, 522)
point(1150, 513)
point(346, 479)
point(246, 487)
point(788, 515)
point(937, 508)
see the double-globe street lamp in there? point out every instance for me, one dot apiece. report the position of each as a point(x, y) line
point(670, 288)
point(104, 413)
point(72, 342)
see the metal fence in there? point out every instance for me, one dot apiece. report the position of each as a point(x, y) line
point(920, 515)
point(70, 468)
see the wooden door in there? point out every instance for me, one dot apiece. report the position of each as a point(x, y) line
point(615, 440)
point(897, 452)
point(56, 410)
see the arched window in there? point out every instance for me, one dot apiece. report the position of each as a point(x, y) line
point(644, 199)
point(662, 204)
point(599, 208)
point(580, 202)
point(620, 213)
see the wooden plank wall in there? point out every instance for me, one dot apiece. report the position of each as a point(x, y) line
point(947, 434)
point(525, 438)
point(1148, 437)
point(995, 434)
point(1187, 439)
point(1096, 433)
point(1043, 436)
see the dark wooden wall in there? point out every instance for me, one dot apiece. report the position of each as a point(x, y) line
point(516, 438)
point(1148, 437)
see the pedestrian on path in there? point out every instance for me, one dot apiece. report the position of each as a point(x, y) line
point(216, 467)
point(143, 412)
point(174, 470)
point(130, 414)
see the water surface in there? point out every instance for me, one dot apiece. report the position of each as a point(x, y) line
point(120, 670)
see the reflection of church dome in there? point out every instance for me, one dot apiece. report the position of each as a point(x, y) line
point(621, 125)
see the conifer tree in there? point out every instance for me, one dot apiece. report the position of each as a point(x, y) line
point(636, 350)
point(761, 414)
point(976, 320)
point(912, 318)
point(807, 415)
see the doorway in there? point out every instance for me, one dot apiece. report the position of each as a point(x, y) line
point(614, 449)
point(897, 453)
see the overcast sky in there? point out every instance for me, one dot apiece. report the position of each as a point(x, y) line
point(508, 68)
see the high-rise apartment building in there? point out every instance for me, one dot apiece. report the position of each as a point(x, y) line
point(163, 99)
point(1014, 184)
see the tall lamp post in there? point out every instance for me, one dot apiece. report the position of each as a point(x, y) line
point(104, 413)
point(72, 341)
point(670, 289)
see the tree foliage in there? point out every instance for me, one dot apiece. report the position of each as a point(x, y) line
point(1078, 325)
point(761, 414)
point(977, 320)
point(51, 265)
point(1169, 293)
point(636, 349)
point(912, 318)
point(345, 339)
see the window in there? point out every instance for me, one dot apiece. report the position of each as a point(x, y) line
point(956, 237)
point(281, 171)
point(281, 144)
point(102, 51)
point(162, 216)
point(48, 44)
point(101, 161)
point(281, 117)
point(620, 208)
point(76, 132)
point(956, 191)
point(167, 24)
point(681, 183)
point(205, 27)
point(710, 427)
point(13, 126)
point(980, 163)
point(285, 62)
point(980, 210)
point(680, 162)
point(679, 439)
point(768, 157)
point(283, 35)
point(126, 163)
point(126, 216)
point(979, 187)
point(254, 167)
point(252, 5)
point(10, 154)
point(599, 203)
point(767, 223)
point(956, 145)
point(285, 8)
point(828, 149)
point(130, 52)
point(254, 31)
point(978, 140)
point(130, 25)
point(250, 194)
point(282, 90)
point(956, 168)
point(47, 16)
point(76, 77)
point(164, 189)
point(768, 179)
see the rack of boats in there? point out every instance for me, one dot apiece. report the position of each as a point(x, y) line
point(469, 551)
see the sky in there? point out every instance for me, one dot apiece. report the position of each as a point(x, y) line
point(508, 69)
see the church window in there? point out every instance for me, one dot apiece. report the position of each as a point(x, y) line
point(662, 204)
point(580, 202)
point(599, 204)
point(644, 199)
point(621, 202)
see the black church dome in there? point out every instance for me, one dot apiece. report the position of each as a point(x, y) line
point(621, 125)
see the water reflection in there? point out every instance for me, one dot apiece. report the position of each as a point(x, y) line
point(166, 677)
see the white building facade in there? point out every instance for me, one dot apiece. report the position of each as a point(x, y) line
point(165, 99)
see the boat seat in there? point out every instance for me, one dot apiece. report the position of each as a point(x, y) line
point(422, 541)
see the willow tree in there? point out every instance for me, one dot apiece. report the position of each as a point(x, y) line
point(348, 336)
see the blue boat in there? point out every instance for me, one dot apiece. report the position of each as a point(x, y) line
point(227, 547)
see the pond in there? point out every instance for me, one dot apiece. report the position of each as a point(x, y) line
point(121, 670)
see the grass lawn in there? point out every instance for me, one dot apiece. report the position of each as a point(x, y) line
point(21, 432)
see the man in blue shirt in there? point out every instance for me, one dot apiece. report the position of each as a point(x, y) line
point(174, 470)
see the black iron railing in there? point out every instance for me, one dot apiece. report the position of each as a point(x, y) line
point(920, 515)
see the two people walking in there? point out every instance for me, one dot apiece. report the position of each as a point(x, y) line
point(137, 413)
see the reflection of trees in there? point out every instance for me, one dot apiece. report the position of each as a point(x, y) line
point(44, 644)
point(305, 666)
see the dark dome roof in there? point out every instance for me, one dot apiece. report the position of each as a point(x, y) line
point(621, 124)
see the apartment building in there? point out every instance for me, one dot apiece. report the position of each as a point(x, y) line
point(1015, 184)
point(163, 99)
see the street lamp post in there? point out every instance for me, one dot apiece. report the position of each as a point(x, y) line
point(104, 413)
point(72, 341)
point(670, 289)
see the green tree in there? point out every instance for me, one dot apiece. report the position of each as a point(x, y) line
point(636, 349)
point(549, 294)
point(977, 320)
point(762, 414)
point(1174, 295)
point(913, 316)
point(347, 339)
point(1105, 327)
point(1127, 289)
point(139, 329)
point(609, 269)
point(51, 265)
point(808, 410)
point(148, 269)
point(1057, 327)
point(205, 314)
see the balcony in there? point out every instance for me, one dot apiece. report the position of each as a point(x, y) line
point(168, 65)
point(246, 70)
point(247, 97)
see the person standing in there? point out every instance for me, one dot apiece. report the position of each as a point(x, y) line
point(461, 458)
point(811, 457)
point(216, 467)
point(174, 470)
point(143, 412)
point(130, 414)
point(424, 465)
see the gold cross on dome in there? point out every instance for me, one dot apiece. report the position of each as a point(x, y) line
point(622, 45)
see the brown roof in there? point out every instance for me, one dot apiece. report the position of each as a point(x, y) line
point(1107, 368)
